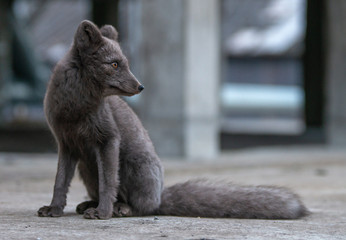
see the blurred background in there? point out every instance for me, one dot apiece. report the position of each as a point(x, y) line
point(219, 74)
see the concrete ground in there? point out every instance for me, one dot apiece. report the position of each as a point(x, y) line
point(316, 173)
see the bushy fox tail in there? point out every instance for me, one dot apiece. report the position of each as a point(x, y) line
point(201, 198)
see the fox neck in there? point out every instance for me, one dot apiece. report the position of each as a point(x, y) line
point(77, 98)
point(87, 87)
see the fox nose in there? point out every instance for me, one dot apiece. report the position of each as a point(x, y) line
point(140, 88)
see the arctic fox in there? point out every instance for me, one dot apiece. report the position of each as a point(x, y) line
point(116, 159)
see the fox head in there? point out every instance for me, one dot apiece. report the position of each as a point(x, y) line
point(102, 59)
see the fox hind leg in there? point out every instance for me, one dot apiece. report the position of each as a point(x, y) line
point(80, 209)
point(143, 188)
point(122, 210)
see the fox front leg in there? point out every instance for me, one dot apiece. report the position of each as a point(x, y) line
point(107, 158)
point(65, 172)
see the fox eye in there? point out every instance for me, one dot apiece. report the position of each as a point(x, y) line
point(115, 65)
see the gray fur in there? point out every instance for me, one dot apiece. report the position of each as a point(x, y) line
point(116, 159)
point(207, 199)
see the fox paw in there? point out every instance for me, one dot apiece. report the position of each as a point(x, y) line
point(50, 211)
point(80, 209)
point(94, 213)
point(121, 210)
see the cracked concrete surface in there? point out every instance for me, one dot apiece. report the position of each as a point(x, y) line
point(316, 173)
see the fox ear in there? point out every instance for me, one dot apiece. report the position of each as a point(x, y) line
point(87, 35)
point(110, 32)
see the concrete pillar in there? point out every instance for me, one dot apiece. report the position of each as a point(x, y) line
point(161, 71)
point(202, 61)
point(336, 73)
point(179, 66)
